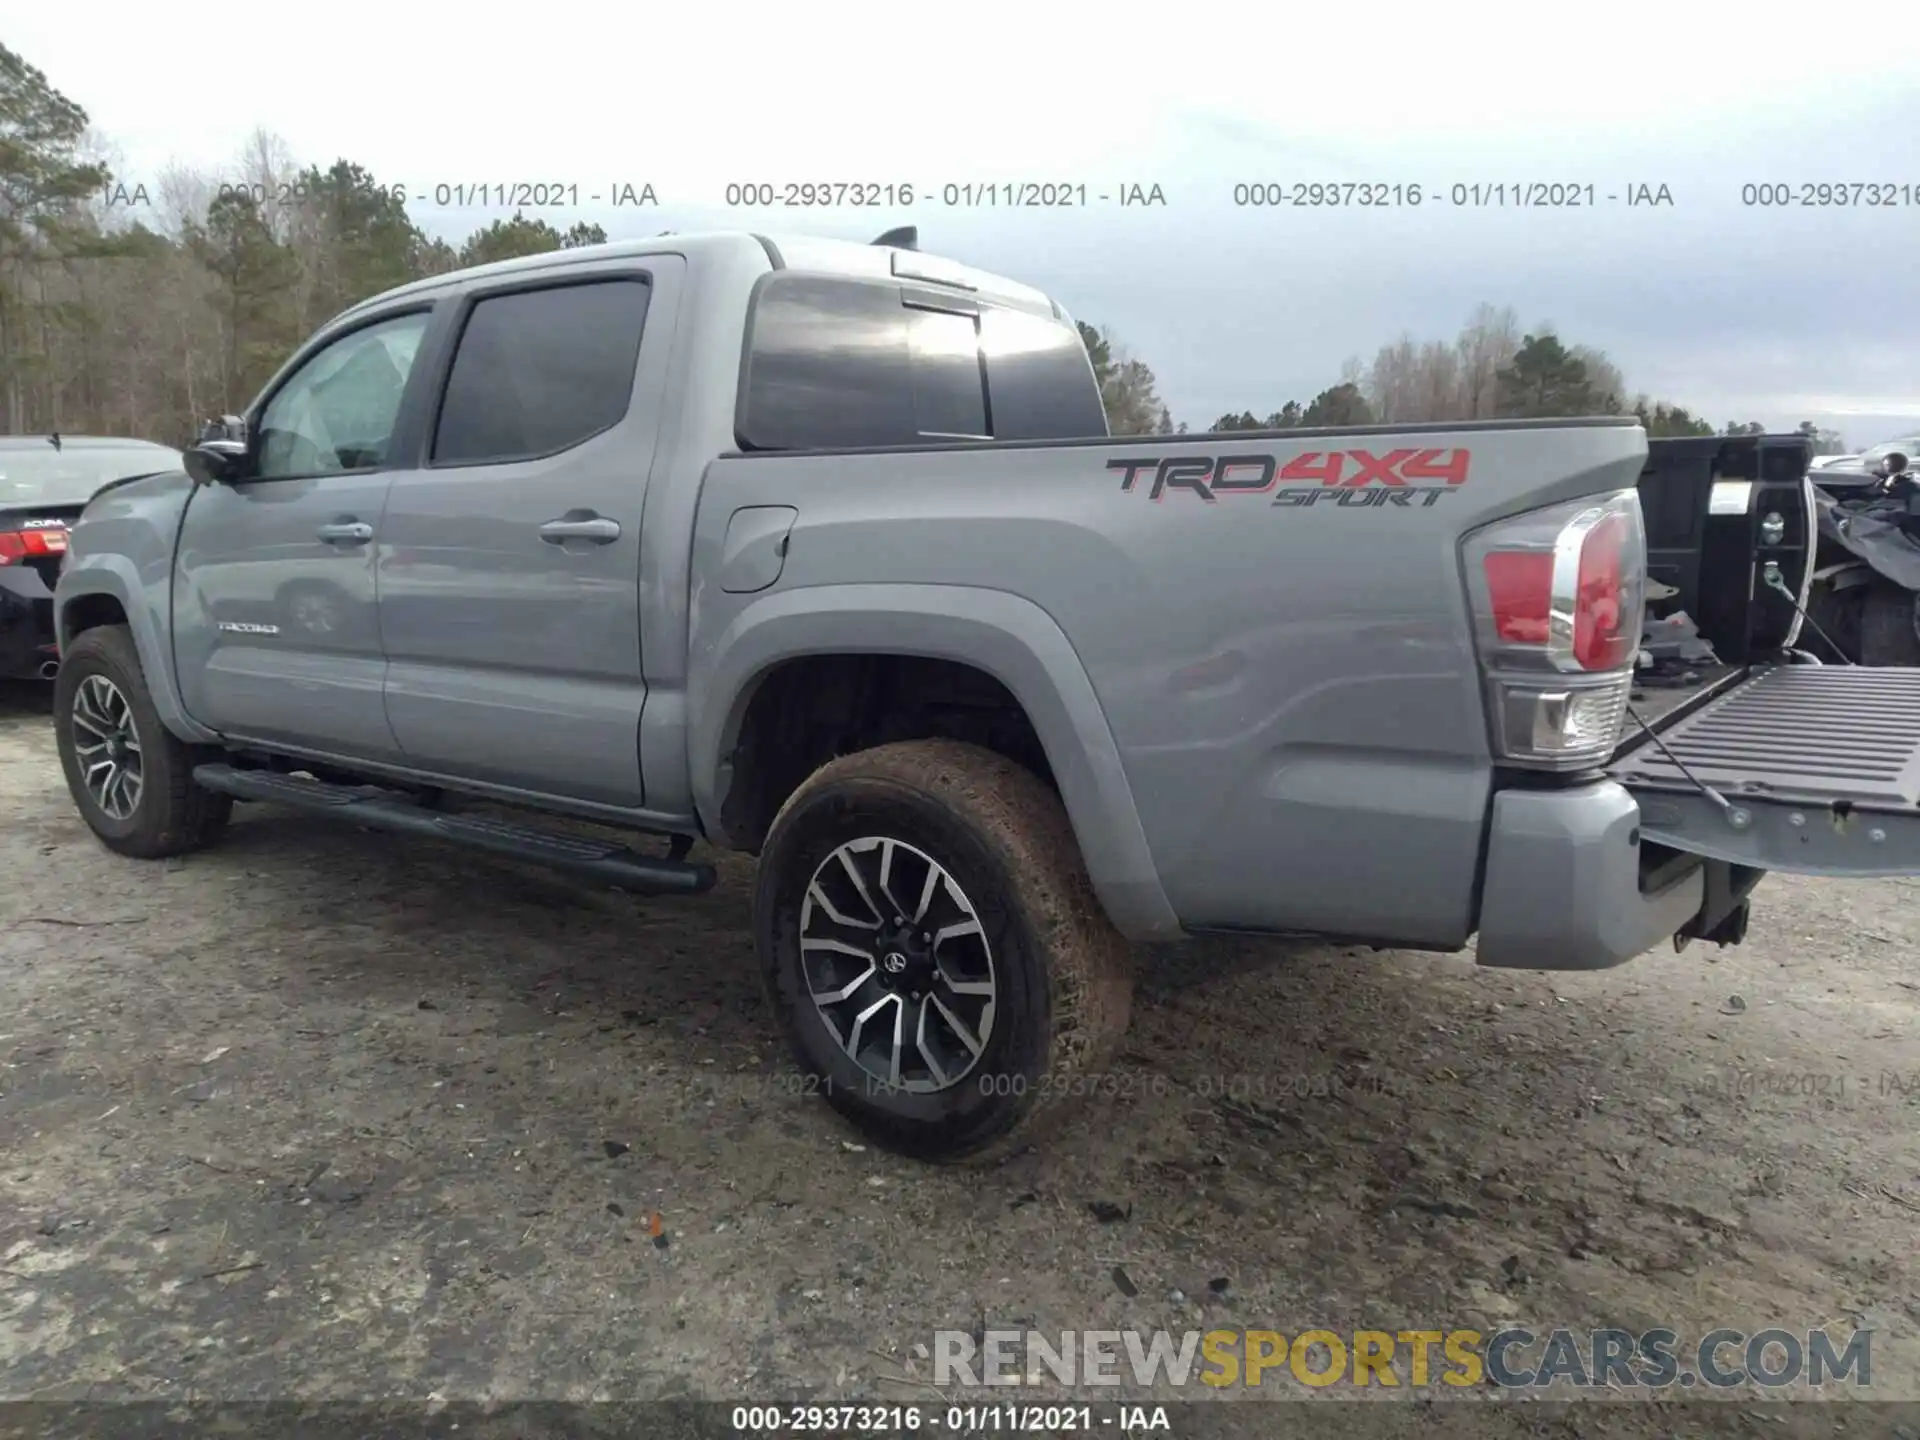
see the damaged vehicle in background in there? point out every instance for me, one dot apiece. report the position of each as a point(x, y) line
point(1863, 461)
point(1867, 575)
point(45, 482)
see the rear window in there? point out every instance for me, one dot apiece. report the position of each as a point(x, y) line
point(33, 472)
point(834, 363)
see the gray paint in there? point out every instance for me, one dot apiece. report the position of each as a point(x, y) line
point(738, 640)
point(1562, 889)
point(1301, 752)
point(755, 549)
point(512, 658)
point(121, 549)
point(254, 555)
point(1244, 737)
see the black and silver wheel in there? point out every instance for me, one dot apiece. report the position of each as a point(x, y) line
point(934, 948)
point(130, 777)
point(897, 964)
point(106, 746)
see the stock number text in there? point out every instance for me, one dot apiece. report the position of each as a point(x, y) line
point(1862, 194)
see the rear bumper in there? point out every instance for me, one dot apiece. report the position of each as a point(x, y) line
point(27, 640)
point(1562, 889)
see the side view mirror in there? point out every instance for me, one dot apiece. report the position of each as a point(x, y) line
point(227, 427)
point(217, 462)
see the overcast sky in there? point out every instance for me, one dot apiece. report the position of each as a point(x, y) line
point(1737, 311)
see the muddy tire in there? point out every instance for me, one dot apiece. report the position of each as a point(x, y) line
point(1887, 635)
point(933, 893)
point(130, 777)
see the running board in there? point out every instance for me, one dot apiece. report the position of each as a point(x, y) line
point(1814, 769)
point(379, 809)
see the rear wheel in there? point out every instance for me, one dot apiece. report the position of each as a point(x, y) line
point(934, 949)
point(130, 777)
point(1887, 633)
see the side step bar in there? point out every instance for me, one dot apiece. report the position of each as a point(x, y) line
point(379, 809)
point(1807, 769)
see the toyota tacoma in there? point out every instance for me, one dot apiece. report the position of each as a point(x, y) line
point(822, 552)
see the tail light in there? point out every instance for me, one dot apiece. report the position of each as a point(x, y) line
point(20, 546)
point(1558, 596)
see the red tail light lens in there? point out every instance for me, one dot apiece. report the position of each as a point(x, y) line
point(1602, 595)
point(22, 545)
point(1557, 598)
point(1520, 589)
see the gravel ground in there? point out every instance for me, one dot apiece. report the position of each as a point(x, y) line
point(327, 1114)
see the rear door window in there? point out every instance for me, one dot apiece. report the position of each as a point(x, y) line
point(540, 371)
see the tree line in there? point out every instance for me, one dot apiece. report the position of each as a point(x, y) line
point(140, 311)
point(1490, 371)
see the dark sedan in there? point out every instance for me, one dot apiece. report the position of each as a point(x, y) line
point(45, 482)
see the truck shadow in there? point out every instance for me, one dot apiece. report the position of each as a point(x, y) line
point(405, 923)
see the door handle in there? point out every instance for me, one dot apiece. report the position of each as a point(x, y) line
point(580, 525)
point(351, 532)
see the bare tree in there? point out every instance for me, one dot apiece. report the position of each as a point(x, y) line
point(1437, 383)
point(1392, 382)
point(268, 170)
point(1609, 385)
point(1486, 347)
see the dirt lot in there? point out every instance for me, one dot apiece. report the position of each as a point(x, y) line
point(323, 1113)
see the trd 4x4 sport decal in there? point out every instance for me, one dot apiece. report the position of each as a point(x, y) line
point(1351, 479)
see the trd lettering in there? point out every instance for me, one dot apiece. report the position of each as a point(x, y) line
point(1347, 473)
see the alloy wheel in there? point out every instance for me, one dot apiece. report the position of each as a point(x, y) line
point(107, 745)
point(898, 964)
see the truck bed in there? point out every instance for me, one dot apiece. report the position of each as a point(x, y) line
point(1655, 703)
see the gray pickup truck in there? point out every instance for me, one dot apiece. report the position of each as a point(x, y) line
point(821, 552)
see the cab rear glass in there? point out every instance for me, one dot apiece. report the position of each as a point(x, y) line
point(834, 362)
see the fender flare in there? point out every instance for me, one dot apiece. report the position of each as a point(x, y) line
point(1012, 639)
point(113, 575)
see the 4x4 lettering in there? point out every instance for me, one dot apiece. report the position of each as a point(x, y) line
point(1427, 465)
point(1379, 467)
point(1314, 466)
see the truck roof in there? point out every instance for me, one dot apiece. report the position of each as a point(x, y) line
point(790, 252)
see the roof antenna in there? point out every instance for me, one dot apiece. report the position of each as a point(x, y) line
point(906, 237)
point(54, 439)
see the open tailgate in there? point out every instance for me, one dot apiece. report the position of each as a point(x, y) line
point(1816, 769)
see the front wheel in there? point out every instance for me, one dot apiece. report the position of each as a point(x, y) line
point(131, 778)
point(934, 949)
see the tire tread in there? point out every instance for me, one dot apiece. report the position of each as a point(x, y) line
point(189, 817)
point(1088, 963)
